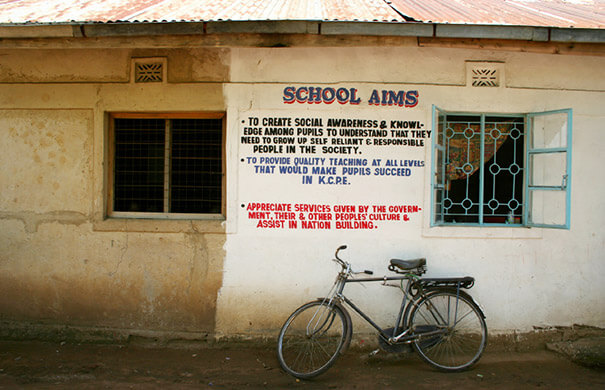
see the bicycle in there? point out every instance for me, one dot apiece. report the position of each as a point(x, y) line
point(443, 323)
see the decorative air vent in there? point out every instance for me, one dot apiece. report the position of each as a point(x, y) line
point(484, 74)
point(485, 77)
point(149, 70)
point(149, 73)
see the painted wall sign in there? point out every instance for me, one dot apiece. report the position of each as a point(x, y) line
point(329, 151)
point(329, 95)
point(326, 216)
point(362, 168)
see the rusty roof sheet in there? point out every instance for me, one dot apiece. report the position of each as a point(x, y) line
point(56, 11)
point(553, 13)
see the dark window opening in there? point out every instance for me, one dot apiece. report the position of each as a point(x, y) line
point(483, 187)
point(168, 165)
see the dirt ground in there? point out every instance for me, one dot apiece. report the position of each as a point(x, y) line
point(41, 365)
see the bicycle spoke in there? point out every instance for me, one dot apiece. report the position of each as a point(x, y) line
point(311, 339)
point(463, 342)
point(320, 347)
point(463, 317)
point(301, 354)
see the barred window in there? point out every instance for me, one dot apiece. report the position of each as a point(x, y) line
point(167, 165)
point(502, 169)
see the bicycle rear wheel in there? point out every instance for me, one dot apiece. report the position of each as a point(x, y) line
point(454, 328)
point(311, 338)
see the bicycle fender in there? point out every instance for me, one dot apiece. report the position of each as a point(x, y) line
point(462, 293)
point(428, 293)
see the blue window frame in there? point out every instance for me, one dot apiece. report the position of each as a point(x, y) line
point(501, 169)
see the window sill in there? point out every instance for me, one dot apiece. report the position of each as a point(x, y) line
point(160, 225)
point(504, 232)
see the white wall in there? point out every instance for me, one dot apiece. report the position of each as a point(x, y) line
point(525, 277)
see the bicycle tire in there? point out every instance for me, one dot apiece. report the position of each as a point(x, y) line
point(312, 338)
point(465, 337)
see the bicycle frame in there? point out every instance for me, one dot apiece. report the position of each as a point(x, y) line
point(389, 338)
point(345, 277)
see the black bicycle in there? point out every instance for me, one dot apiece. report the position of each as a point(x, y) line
point(437, 317)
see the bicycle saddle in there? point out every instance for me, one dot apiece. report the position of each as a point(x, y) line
point(408, 264)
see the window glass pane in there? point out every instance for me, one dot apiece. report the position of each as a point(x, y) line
point(548, 169)
point(197, 167)
point(439, 170)
point(439, 166)
point(439, 213)
point(548, 207)
point(139, 165)
point(549, 131)
point(441, 120)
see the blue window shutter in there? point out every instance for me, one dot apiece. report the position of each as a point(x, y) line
point(438, 166)
point(548, 179)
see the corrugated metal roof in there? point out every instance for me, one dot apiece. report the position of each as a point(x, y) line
point(553, 13)
point(56, 11)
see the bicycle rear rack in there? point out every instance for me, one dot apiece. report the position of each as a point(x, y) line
point(464, 282)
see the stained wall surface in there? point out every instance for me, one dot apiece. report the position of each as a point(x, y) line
point(64, 261)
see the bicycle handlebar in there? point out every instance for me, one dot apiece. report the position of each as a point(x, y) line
point(345, 264)
point(338, 259)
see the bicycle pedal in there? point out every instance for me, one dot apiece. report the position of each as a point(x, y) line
point(398, 348)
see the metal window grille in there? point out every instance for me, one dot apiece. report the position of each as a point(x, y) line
point(168, 165)
point(480, 169)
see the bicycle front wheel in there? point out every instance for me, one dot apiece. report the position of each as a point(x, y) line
point(455, 333)
point(311, 339)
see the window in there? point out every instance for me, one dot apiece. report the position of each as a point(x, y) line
point(501, 170)
point(167, 165)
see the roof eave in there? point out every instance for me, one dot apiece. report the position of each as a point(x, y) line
point(314, 27)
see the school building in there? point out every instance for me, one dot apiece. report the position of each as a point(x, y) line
point(187, 169)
